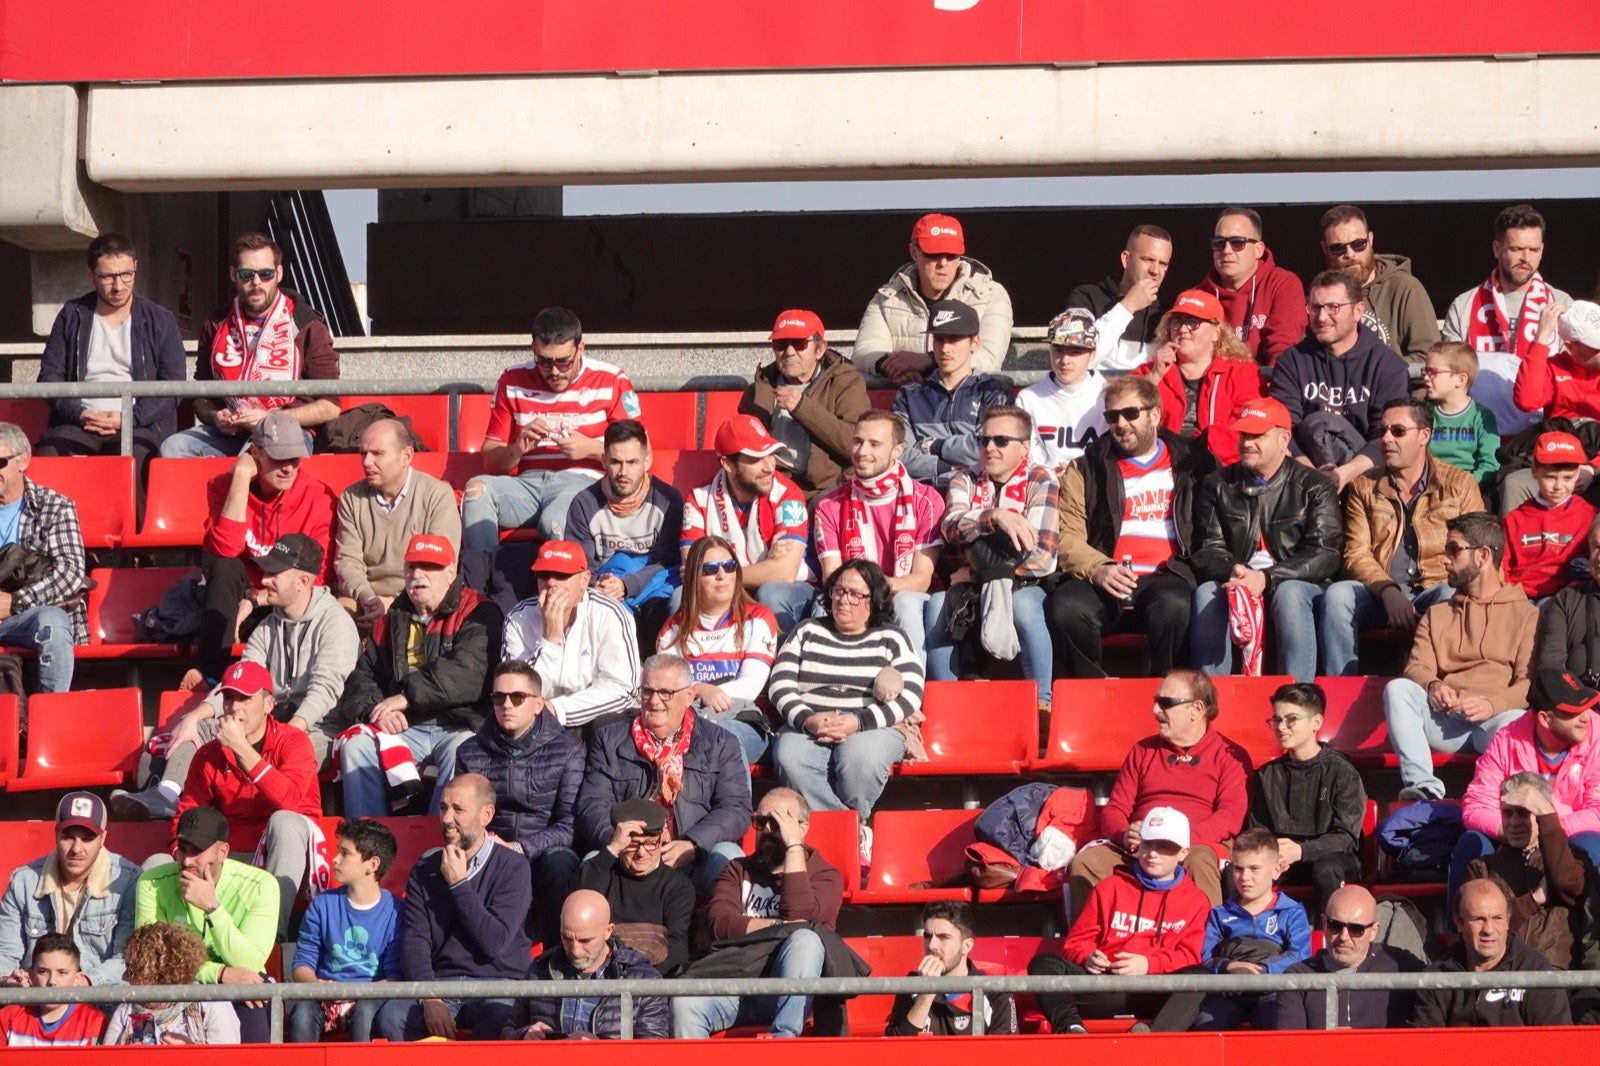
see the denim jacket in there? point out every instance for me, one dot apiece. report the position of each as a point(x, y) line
point(28, 912)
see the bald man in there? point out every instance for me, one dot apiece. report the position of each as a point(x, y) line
point(466, 905)
point(1350, 928)
point(379, 515)
point(588, 949)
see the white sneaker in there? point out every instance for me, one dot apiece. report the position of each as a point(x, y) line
point(866, 846)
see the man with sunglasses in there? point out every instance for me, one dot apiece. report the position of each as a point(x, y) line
point(1398, 309)
point(651, 903)
point(535, 768)
point(808, 397)
point(1265, 303)
point(1467, 677)
point(1349, 929)
point(1126, 529)
point(1394, 537)
point(892, 340)
point(421, 685)
point(267, 333)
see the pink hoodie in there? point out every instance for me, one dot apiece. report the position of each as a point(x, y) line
point(1511, 751)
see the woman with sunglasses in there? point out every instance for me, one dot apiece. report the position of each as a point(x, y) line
point(729, 641)
point(846, 684)
point(1204, 372)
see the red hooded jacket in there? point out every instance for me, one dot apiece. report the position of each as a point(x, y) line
point(307, 507)
point(1166, 926)
point(1227, 384)
point(284, 780)
point(1268, 311)
point(1543, 541)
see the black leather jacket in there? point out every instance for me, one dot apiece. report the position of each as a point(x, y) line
point(1297, 512)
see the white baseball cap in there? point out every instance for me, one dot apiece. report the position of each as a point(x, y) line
point(1165, 823)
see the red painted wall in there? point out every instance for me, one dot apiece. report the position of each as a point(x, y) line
point(367, 38)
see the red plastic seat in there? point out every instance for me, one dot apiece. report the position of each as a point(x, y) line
point(101, 486)
point(913, 846)
point(977, 727)
point(338, 472)
point(686, 471)
point(137, 841)
point(889, 956)
point(10, 735)
point(415, 835)
point(881, 399)
point(23, 842)
point(473, 421)
point(837, 837)
point(720, 406)
point(430, 415)
point(175, 703)
point(30, 416)
point(82, 739)
point(1354, 723)
point(118, 595)
point(175, 502)
point(672, 419)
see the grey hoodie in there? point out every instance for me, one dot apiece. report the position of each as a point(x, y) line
point(309, 659)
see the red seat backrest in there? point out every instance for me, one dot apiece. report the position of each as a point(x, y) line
point(121, 593)
point(101, 486)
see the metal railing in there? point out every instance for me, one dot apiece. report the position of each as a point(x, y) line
point(627, 991)
point(313, 264)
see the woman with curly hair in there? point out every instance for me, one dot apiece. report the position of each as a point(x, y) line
point(1204, 372)
point(163, 953)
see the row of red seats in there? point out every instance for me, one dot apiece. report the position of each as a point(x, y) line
point(973, 728)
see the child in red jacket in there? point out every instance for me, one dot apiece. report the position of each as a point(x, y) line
point(1146, 918)
point(1548, 533)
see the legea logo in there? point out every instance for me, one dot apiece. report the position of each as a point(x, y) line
point(954, 5)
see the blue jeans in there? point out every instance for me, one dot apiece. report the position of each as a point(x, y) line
point(511, 501)
point(790, 601)
point(401, 1019)
point(47, 631)
point(208, 442)
point(1476, 845)
point(302, 1022)
point(1291, 615)
point(1033, 634)
point(800, 955)
point(838, 777)
point(365, 793)
point(1416, 730)
point(911, 615)
point(703, 872)
point(752, 741)
point(1348, 608)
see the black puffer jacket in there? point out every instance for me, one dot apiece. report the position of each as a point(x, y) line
point(1297, 512)
point(535, 777)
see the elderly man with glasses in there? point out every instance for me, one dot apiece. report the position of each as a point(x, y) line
point(1126, 532)
point(651, 903)
point(1467, 677)
point(1394, 537)
point(673, 757)
point(1349, 928)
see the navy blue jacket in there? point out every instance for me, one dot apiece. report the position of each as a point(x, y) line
point(651, 1015)
point(535, 778)
point(155, 345)
point(713, 807)
point(472, 928)
point(942, 426)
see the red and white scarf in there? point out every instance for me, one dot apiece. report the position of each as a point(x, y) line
point(667, 757)
point(860, 539)
point(394, 755)
point(722, 519)
point(1247, 626)
point(1489, 327)
point(274, 357)
point(1012, 496)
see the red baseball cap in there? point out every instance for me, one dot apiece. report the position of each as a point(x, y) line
point(745, 435)
point(797, 325)
point(1197, 303)
point(939, 235)
point(428, 548)
point(1558, 449)
point(560, 557)
point(1260, 415)
point(246, 678)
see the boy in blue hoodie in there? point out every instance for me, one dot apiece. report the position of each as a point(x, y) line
point(1260, 931)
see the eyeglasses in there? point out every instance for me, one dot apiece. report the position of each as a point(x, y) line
point(1435, 371)
point(1166, 703)
point(999, 440)
point(1238, 244)
point(779, 347)
point(1357, 245)
point(555, 364)
point(643, 844)
point(1123, 414)
point(1353, 930)
point(1186, 323)
point(723, 566)
point(246, 275)
point(660, 693)
point(1287, 721)
point(839, 592)
point(124, 276)
point(1332, 308)
point(763, 823)
point(1455, 548)
point(1397, 430)
point(516, 699)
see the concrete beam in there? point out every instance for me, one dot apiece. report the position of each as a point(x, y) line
point(1172, 118)
point(47, 205)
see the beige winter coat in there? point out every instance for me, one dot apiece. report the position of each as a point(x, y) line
point(897, 318)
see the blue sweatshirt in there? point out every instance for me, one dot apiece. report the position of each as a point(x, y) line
point(342, 942)
point(1284, 921)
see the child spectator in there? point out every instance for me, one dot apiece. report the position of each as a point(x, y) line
point(163, 953)
point(56, 964)
point(1146, 918)
point(350, 933)
point(1464, 431)
point(1260, 931)
point(1547, 534)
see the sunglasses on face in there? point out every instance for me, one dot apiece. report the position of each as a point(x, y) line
point(247, 275)
point(725, 566)
point(516, 699)
point(1357, 245)
point(780, 347)
point(999, 440)
point(644, 844)
point(554, 364)
point(1397, 431)
point(1354, 930)
point(1453, 549)
point(1123, 414)
point(1186, 323)
point(1238, 244)
point(764, 823)
point(5, 461)
point(1166, 703)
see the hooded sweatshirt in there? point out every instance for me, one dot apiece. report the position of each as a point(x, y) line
point(309, 657)
point(1575, 785)
point(1439, 1008)
point(307, 506)
point(1399, 310)
point(1481, 647)
point(1309, 378)
point(1164, 921)
point(1268, 311)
